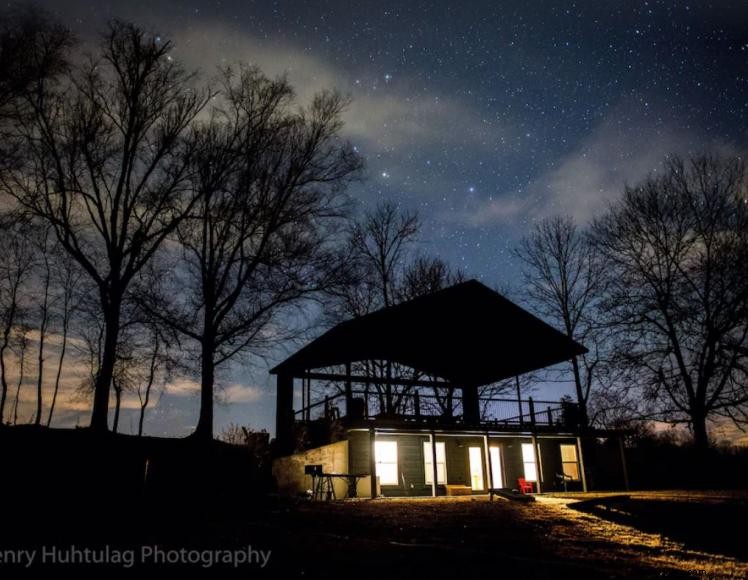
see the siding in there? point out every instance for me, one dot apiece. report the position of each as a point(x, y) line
point(289, 471)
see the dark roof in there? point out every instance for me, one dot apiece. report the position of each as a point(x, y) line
point(467, 334)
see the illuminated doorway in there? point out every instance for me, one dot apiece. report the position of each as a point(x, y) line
point(476, 468)
point(497, 479)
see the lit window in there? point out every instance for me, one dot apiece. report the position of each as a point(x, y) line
point(385, 453)
point(441, 463)
point(569, 462)
point(528, 459)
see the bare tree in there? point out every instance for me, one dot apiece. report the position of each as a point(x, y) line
point(157, 368)
point(676, 249)
point(383, 271)
point(32, 47)
point(269, 180)
point(425, 275)
point(564, 281)
point(21, 332)
point(380, 241)
point(39, 237)
point(16, 262)
point(67, 281)
point(104, 161)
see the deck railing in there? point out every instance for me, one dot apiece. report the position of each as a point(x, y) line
point(410, 406)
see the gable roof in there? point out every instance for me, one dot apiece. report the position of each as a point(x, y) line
point(466, 334)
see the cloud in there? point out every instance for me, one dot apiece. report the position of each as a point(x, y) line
point(623, 149)
point(183, 387)
point(384, 115)
point(242, 394)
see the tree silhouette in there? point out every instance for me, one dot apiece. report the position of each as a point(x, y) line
point(103, 158)
point(269, 179)
point(675, 250)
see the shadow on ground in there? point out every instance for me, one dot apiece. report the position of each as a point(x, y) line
point(699, 525)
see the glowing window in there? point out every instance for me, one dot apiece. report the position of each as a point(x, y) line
point(528, 460)
point(569, 462)
point(385, 453)
point(441, 463)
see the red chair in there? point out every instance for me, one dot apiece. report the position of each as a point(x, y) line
point(524, 485)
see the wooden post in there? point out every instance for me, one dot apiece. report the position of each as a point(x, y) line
point(308, 398)
point(373, 461)
point(622, 449)
point(532, 411)
point(348, 390)
point(581, 464)
point(519, 401)
point(284, 417)
point(538, 463)
point(417, 403)
point(470, 405)
point(488, 462)
point(435, 471)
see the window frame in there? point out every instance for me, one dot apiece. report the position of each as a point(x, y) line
point(534, 462)
point(428, 468)
point(565, 462)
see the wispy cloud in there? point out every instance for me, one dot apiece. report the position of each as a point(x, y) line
point(620, 150)
point(385, 113)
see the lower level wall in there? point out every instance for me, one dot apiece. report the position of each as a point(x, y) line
point(412, 466)
point(334, 458)
point(289, 471)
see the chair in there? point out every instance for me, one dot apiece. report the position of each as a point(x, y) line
point(524, 485)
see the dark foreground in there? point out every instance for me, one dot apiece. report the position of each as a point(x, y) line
point(209, 517)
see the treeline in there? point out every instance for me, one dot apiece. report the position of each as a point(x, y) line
point(162, 226)
point(657, 289)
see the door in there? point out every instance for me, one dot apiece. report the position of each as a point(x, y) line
point(476, 467)
point(496, 475)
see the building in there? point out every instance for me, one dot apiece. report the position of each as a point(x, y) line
point(405, 399)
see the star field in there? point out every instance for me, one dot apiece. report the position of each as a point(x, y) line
point(486, 116)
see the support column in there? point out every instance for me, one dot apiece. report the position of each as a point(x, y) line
point(538, 463)
point(373, 461)
point(470, 405)
point(622, 449)
point(434, 469)
point(581, 464)
point(489, 479)
point(519, 401)
point(284, 416)
point(348, 390)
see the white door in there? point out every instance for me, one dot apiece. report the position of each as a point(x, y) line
point(476, 467)
point(496, 475)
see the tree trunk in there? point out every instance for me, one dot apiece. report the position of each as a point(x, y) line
point(103, 384)
point(141, 419)
point(700, 435)
point(59, 371)
point(21, 366)
point(3, 369)
point(204, 429)
point(3, 382)
point(117, 402)
point(42, 338)
point(148, 387)
point(581, 400)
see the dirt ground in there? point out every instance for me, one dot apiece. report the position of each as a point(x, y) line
point(451, 537)
point(659, 534)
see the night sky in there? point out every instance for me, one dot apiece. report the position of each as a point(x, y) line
point(483, 116)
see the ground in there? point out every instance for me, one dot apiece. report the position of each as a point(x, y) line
point(62, 488)
point(449, 537)
point(562, 535)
